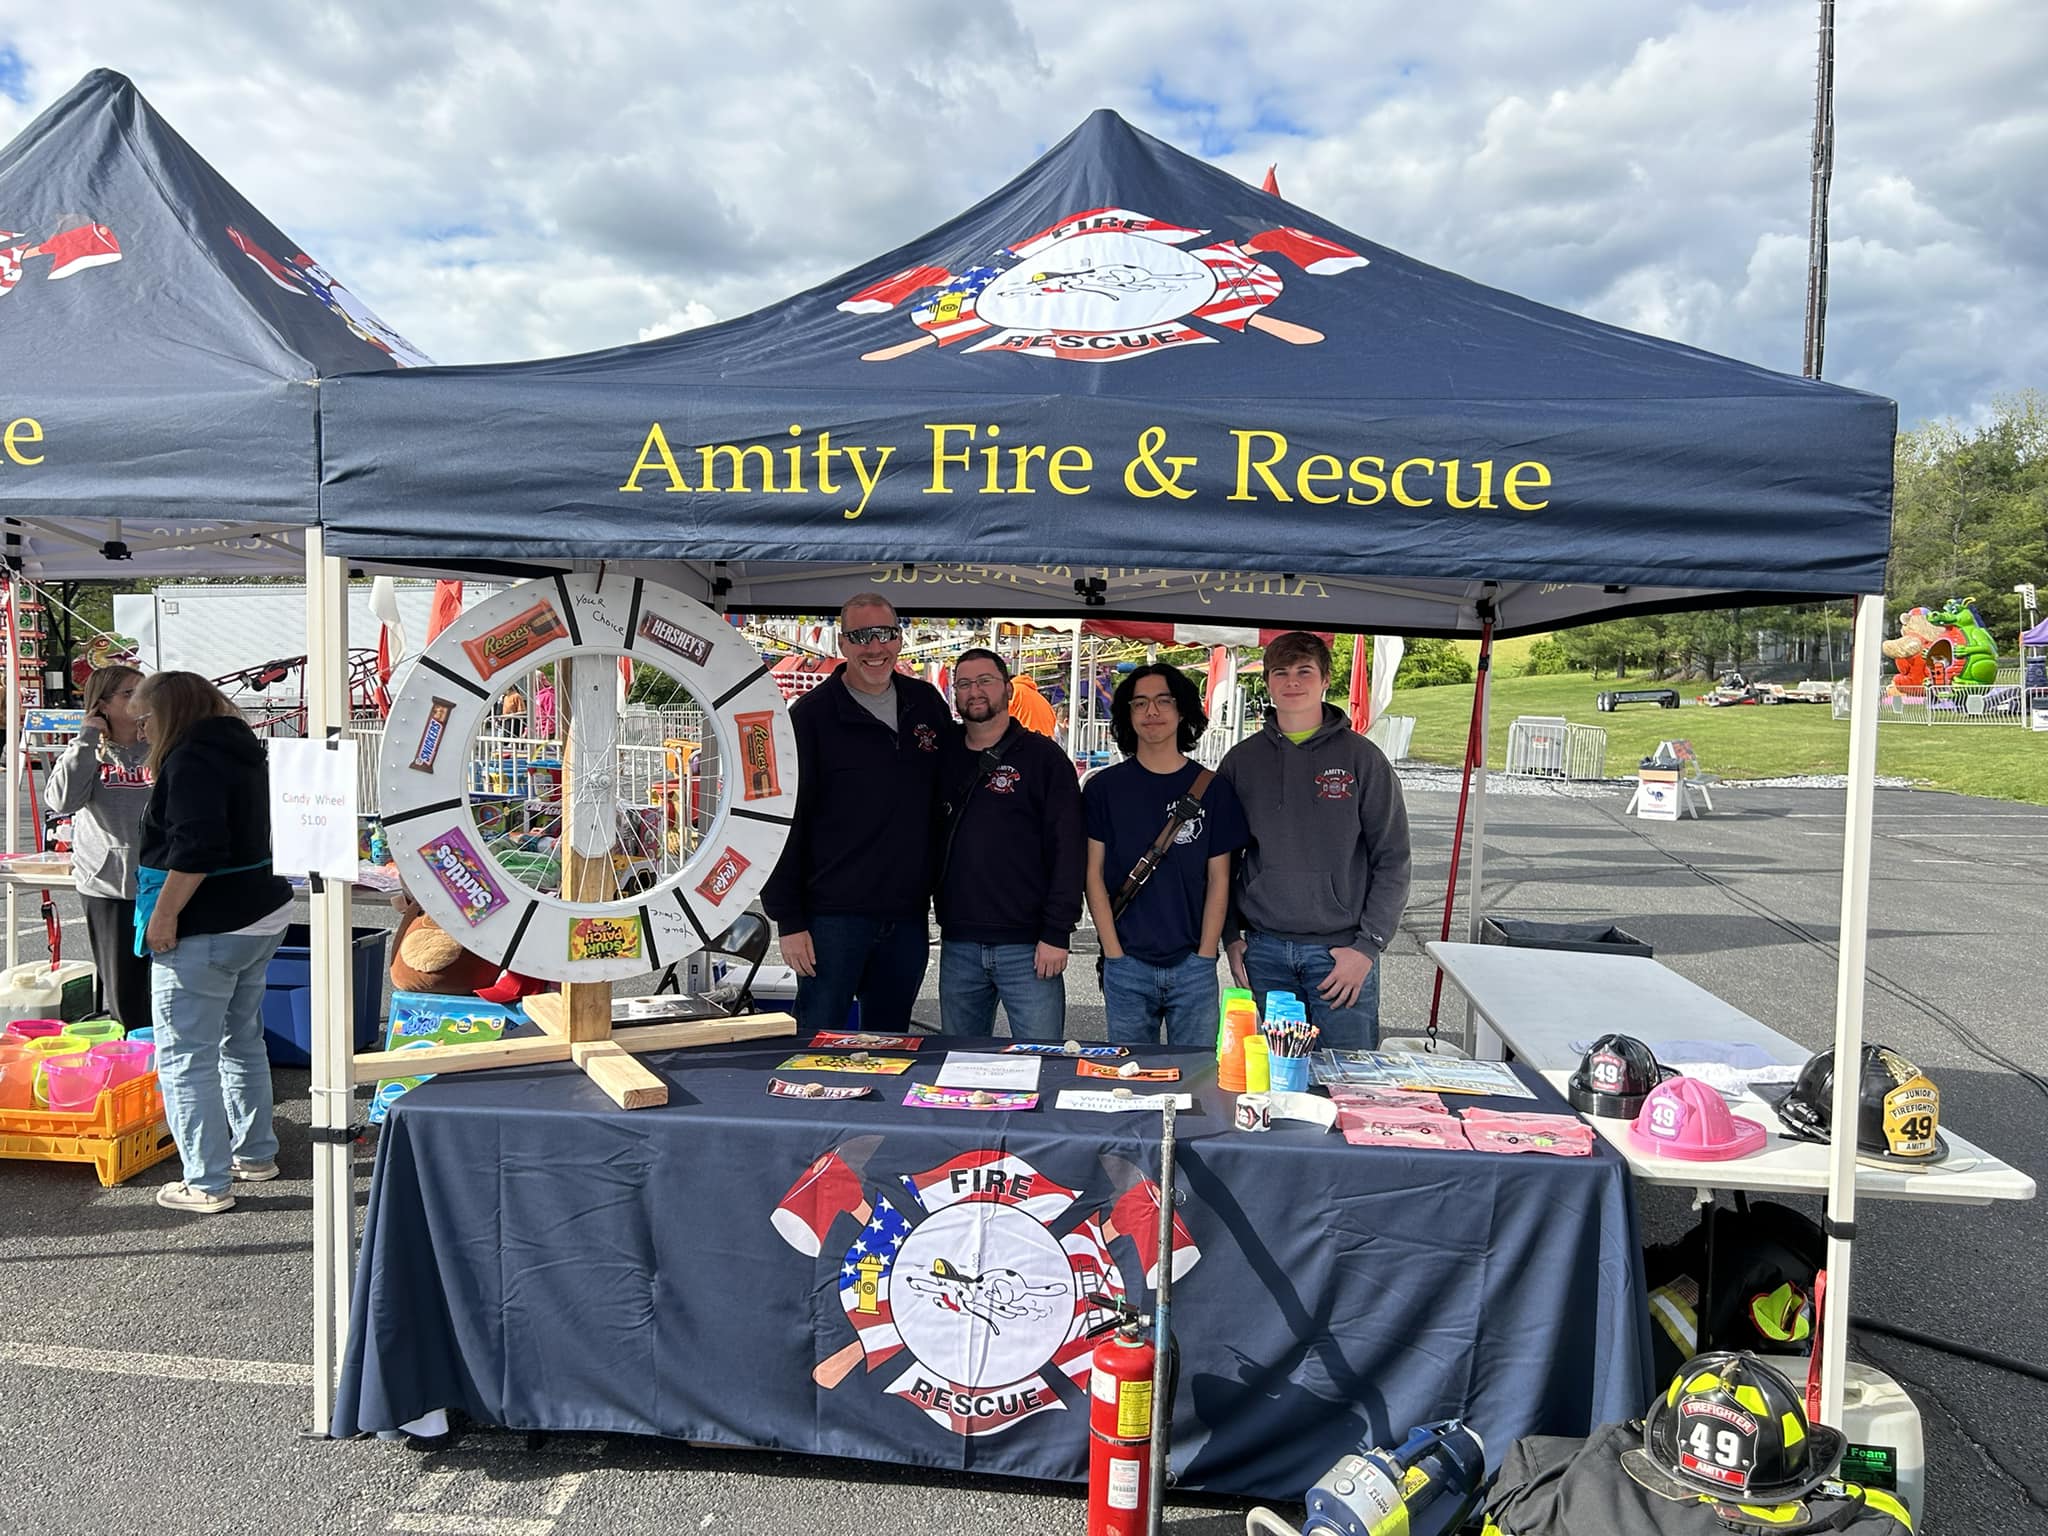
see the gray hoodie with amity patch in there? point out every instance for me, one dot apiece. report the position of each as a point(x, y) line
point(1328, 862)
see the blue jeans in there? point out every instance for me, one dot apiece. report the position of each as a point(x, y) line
point(1140, 997)
point(207, 998)
point(973, 977)
point(880, 963)
point(1281, 965)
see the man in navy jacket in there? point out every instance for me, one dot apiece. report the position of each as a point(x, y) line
point(850, 892)
point(1011, 860)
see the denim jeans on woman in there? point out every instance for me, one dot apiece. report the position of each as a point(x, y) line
point(211, 1061)
point(1281, 965)
point(1139, 998)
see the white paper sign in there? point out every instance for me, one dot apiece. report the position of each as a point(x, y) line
point(313, 808)
point(1107, 1101)
point(974, 1069)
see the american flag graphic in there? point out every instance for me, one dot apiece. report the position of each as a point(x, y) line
point(862, 1273)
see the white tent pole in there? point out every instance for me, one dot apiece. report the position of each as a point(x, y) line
point(333, 1000)
point(16, 758)
point(1074, 697)
point(1475, 888)
point(1865, 667)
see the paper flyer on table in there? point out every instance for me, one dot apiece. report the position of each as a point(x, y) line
point(974, 1069)
point(1107, 1101)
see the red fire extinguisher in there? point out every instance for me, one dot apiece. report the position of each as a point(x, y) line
point(1120, 1426)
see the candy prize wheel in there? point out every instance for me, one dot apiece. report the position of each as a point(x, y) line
point(574, 895)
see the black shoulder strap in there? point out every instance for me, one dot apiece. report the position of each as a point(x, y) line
point(1183, 810)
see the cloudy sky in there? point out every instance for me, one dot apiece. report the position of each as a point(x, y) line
point(515, 180)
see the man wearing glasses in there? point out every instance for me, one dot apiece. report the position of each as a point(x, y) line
point(850, 892)
point(1009, 888)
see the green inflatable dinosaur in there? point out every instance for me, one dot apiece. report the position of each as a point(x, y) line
point(1979, 652)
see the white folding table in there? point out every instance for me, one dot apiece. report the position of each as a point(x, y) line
point(1545, 1004)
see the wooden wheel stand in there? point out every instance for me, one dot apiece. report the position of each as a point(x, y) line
point(576, 1022)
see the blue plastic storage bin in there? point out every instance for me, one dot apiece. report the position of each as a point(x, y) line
point(288, 994)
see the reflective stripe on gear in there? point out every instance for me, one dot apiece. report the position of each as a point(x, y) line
point(1670, 1311)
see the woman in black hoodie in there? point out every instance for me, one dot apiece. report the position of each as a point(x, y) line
point(211, 913)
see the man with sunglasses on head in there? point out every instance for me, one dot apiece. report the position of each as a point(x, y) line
point(1009, 886)
point(851, 890)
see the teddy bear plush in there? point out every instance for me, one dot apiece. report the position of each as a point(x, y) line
point(426, 958)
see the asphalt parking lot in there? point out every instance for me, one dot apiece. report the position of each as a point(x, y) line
point(153, 1365)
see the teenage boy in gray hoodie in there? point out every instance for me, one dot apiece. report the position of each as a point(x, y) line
point(1320, 888)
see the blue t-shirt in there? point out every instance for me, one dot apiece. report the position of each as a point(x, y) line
point(1127, 806)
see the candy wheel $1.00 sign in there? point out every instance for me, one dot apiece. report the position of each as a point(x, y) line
point(663, 864)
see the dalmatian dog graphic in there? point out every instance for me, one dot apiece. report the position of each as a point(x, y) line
point(1103, 286)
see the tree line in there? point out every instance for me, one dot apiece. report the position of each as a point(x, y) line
point(1969, 521)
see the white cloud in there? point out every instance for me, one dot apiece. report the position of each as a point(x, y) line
point(508, 180)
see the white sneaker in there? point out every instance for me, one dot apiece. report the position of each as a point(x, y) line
point(183, 1197)
point(252, 1173)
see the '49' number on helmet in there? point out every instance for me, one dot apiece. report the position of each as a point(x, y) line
point(1917, 1128)
point(1723, 1447)
point(1664, 1122)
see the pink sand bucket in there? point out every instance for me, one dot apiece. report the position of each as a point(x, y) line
point(129, 1059)
point(75, 1083)
point(35, 1029)
point(47, 1048)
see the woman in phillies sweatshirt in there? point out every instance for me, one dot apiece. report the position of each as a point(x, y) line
point(102, 782)
point(211, 911)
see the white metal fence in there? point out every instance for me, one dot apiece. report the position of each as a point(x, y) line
point(1551, 747)
point(2005, 702)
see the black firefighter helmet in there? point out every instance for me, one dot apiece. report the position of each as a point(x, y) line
point(1898, 1107)
point(1615, 1076)
point(1731, 1427)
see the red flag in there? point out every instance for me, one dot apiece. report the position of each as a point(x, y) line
point(447, 607)
point(1272, 182)
point(1361, 686)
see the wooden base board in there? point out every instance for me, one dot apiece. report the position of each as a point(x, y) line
point(481, 1055)
point(627, 1082)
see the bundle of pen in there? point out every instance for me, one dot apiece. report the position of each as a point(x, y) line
point(1289, 1037)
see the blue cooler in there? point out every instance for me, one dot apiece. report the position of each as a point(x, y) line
point(288, 994)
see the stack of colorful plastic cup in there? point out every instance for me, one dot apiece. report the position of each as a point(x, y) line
point(1240, 1023)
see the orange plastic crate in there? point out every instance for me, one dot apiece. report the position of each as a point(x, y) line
point(122, 1134)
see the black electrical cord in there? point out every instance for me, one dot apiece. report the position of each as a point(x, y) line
point(1878, 979)
point(2035, 1493)
point(1935, 1341)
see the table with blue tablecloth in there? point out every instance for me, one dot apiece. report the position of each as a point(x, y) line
point(867, 1279)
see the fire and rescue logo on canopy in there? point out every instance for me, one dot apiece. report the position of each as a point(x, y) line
point(1103, 286)
point(960, 1287)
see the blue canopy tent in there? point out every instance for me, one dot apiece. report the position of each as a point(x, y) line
point(1197, 399)
point(1127, 385)
point(163, 344)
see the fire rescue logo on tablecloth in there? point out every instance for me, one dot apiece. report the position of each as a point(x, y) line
point(965, 1298)
point(1102, 286)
